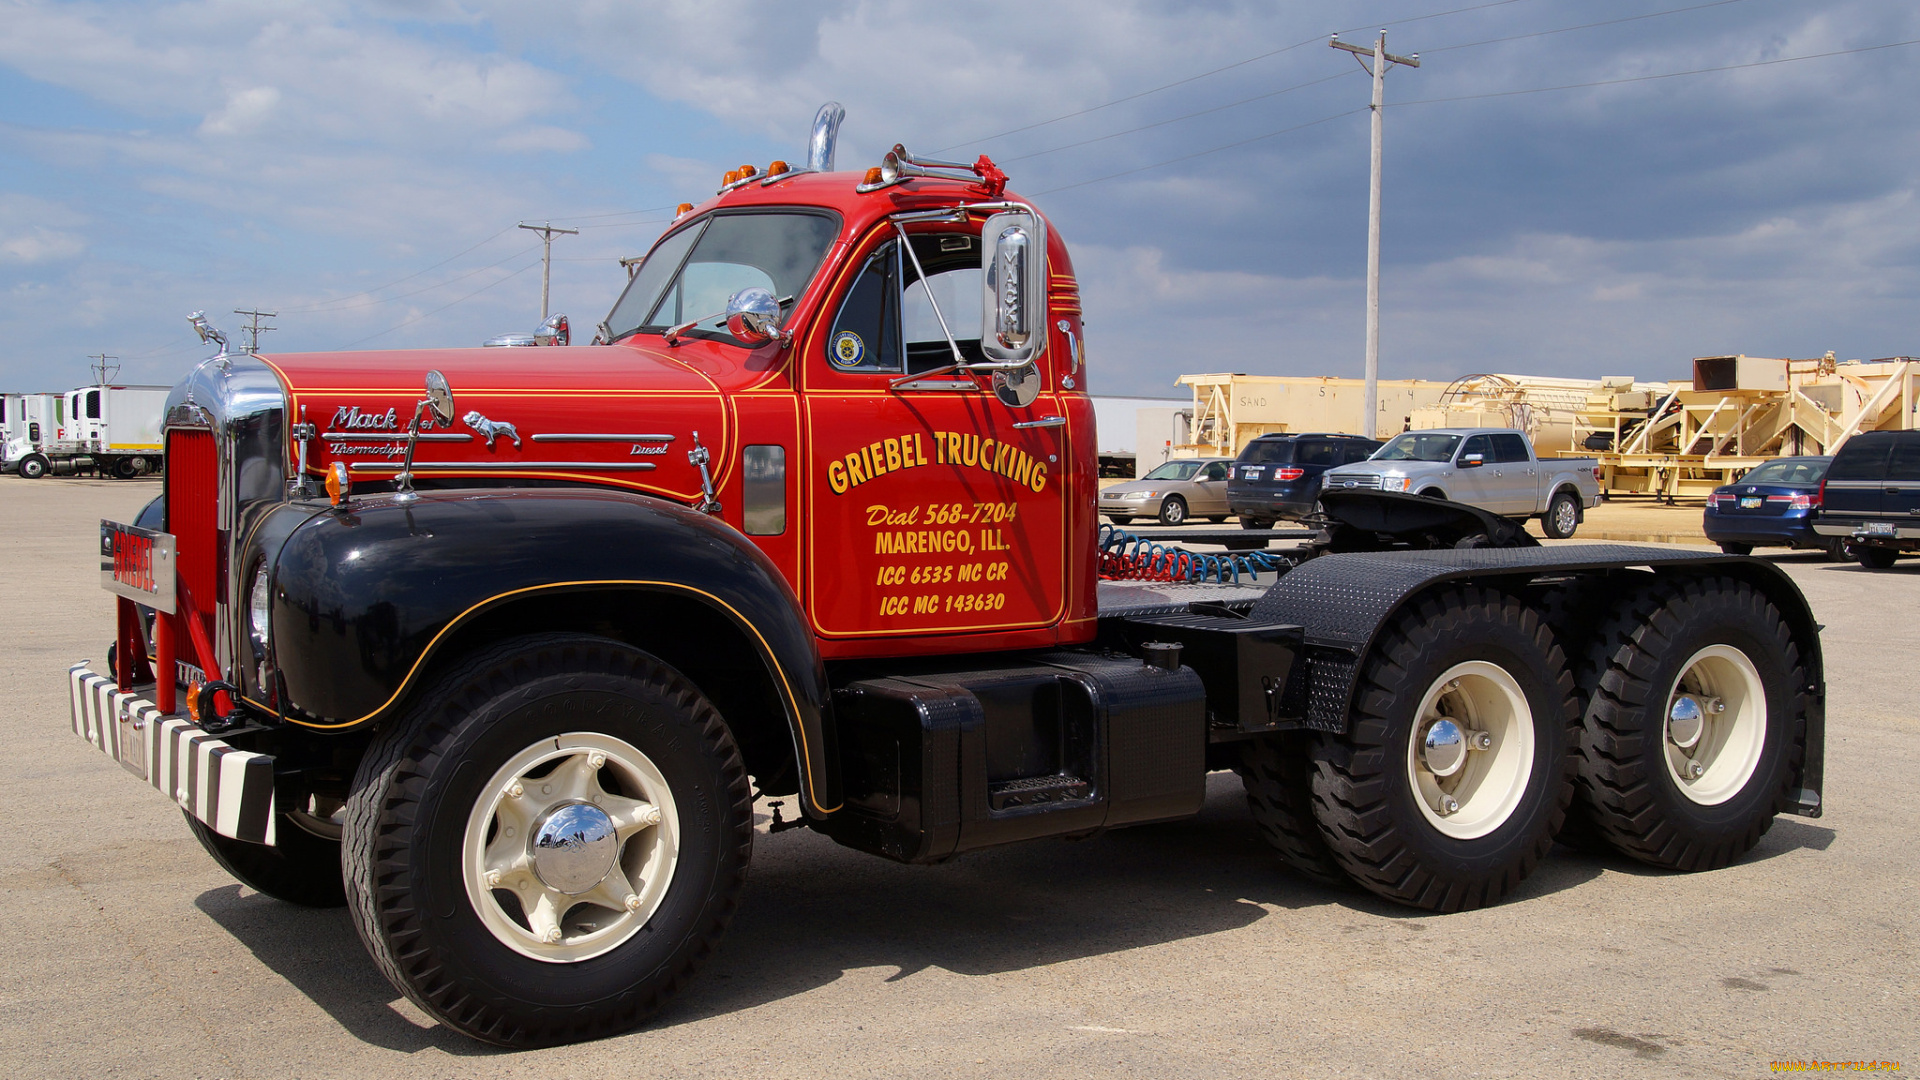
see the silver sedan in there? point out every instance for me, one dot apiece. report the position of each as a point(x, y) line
point(1172, 493)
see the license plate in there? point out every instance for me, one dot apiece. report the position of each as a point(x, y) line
point(1750, 502)
point(1252, 473)
point(1879, 528)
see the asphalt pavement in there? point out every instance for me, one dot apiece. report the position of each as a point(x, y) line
point(1177, 950)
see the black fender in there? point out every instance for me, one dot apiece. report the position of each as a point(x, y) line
point(370, 598)
point(1343, 601)
point(1362, 518)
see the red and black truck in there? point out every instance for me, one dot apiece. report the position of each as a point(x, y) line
point(498, 646)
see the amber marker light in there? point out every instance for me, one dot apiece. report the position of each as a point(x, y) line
point(193, 701)
point(778, 168)
point(338, 486)
point(729, 177)
point(683, 209)
point(746, 171)
point(873, 176)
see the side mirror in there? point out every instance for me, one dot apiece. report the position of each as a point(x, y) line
point(440, 397)
point(753, 318)
point(1472, 461)
point(1017, 389)
point(1014, 276)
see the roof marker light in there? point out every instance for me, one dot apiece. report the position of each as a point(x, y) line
point(777, 168)
point(683, 209)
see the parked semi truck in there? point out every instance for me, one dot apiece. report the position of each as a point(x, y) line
point(31, 420)
point(501, 651)
point(115, 429)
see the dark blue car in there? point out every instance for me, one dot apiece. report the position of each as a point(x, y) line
point(1771, 506)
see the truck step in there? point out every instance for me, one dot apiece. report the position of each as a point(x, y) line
point(1036, 790)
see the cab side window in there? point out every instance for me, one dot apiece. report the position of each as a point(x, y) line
point(1316, 452)
point(1478, 444)
point(888, 321)
point(1509, 449)
point(866, 332)
point(1215, 471)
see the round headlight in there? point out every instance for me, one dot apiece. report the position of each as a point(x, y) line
point(258, 605)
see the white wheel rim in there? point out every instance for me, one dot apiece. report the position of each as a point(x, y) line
point(576, 770)
point(1719, 764)
point(1486, 703)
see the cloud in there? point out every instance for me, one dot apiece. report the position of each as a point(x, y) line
point(39, 230)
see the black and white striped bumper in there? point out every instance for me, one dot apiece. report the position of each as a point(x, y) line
point(228, 789)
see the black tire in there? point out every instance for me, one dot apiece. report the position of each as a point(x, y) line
point(1573, 611)
point(1217, 519)
point(1255, 523)
point(1278, 774)
point(1836, 550)
point(32, 467)
point(1562, 516)
point(1120, 519)
point(1364, 788)
point(300, 868)
point(1433, 493)
point(1625, 781)
point(124, 468)
point(1173, 510)
point(1732, 548)
point(1875, 558)
point(408, 819)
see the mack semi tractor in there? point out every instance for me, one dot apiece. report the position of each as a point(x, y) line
point(499, 647)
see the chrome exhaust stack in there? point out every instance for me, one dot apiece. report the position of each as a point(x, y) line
point(826, 132)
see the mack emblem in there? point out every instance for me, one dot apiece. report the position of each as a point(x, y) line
point(350, 418)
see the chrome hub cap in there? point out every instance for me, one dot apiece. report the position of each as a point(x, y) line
point(1471, 753)
point(1716, 725)
point(1444, 749)
point(571, 847)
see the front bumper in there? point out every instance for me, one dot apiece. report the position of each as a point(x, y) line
point(228, 789)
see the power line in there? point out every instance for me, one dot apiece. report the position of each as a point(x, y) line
point(1585, 26)
point(100, 368)
point(378, 288)
point(1177, 119)
point(1202, 153)
point(1218, 70)
point(417, 292)
point(441, 308)
point(1665, 75)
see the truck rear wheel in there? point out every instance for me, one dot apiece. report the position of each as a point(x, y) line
point(550, 842)
point(1562, 516)
point(1454, 774)
point(300, 868)
point(1690, 742)
point(1278, 775)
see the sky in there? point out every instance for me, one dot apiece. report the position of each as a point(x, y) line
point(1572, 187)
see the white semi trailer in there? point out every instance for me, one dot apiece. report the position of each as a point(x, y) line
point(114, 428)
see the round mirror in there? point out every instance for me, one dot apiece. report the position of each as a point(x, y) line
point(753, 317)
point(440, 398)
point(1017, 389)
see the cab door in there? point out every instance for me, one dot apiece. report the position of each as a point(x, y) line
point(931, 508)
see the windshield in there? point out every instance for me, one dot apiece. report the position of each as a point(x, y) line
point(1267, 452)
point(1175, 470)
point(1788, 471)
point(1418, 446)
point(691, 273)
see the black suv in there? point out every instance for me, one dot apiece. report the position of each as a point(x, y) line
point(1871, 496)
point(1278, 476)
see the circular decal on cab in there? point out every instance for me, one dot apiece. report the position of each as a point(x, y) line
point(848, 349)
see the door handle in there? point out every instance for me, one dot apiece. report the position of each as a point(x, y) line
point(1045, 421)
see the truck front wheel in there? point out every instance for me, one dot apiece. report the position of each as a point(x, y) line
point(32, 467)
point(552, 839)
point(1453, 775)
point(1562, 516)
point(1690, 740)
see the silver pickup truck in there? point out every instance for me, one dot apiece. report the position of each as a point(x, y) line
point(1491, 468)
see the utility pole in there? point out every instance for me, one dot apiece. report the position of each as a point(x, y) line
point(1382, 59)
point(546, 232)
point(254, 329)
point(100, 368)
